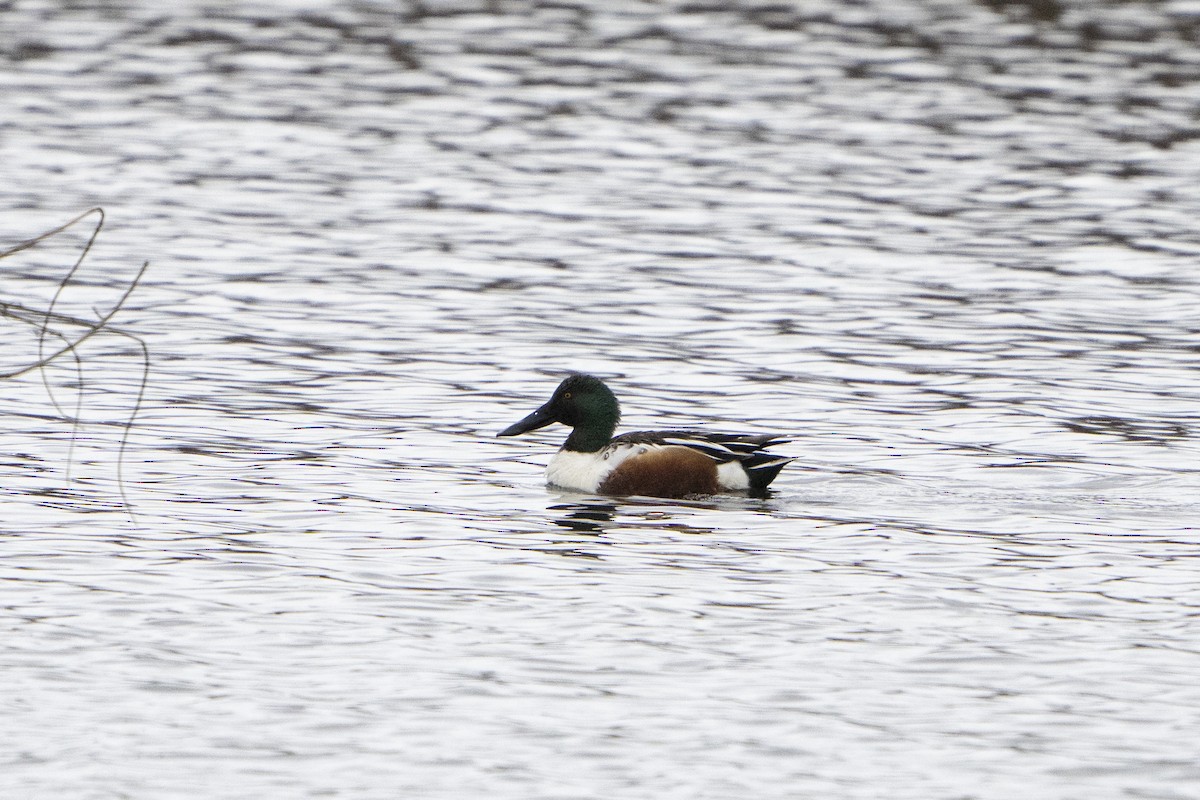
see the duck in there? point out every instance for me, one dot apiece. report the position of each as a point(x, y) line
point(666, 463)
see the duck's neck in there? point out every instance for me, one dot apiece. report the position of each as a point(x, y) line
point(592, 437)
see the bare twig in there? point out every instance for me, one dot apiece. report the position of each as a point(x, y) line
point(43, 321)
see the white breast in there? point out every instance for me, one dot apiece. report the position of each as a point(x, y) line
point(584, 472)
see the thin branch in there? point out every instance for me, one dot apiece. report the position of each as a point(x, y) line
point(87, 248)
point(93, 329)
point(41, 320)
point(128, 425)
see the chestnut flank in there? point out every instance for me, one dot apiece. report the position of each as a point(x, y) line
point(663, 472)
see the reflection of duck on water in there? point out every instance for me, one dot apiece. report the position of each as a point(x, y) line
point(650, 463)
point(585, 517)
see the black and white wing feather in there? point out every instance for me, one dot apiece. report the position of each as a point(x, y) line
point(748, 449)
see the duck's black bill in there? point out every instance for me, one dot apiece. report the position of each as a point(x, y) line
point(538, 419)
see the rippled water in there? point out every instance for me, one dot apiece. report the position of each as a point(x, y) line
point(950, 247)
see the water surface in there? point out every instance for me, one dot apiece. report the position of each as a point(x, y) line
point(949, 247)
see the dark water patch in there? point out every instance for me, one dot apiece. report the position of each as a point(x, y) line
point(1134, 430)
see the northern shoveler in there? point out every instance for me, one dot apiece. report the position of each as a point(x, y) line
point(650, 463)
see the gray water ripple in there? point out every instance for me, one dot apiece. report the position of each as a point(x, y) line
point(947, 247)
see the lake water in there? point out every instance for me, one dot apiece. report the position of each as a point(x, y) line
point(951, 248)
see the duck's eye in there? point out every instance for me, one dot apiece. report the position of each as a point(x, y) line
point(567, 396)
